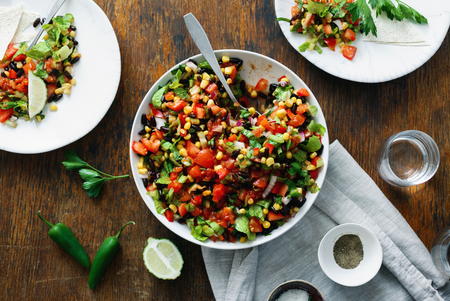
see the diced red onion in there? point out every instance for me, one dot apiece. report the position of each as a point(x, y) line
point(239, 123)
point(239, 144)
point(217, 129)
point(203, 141)
point(273, 181)
point(233, 122)
point(253, 120)
point(192, 66)
point(286, 200)
point(339, 24)
point(302, 134)
point(267, 134)
point(283, 83)
point(214, 94)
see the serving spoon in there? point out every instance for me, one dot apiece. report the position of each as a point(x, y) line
point(200, 38)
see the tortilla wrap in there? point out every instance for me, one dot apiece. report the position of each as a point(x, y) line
point(26, 21)
point(9, 21)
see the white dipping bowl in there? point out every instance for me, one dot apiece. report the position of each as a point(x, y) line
point(367, 268)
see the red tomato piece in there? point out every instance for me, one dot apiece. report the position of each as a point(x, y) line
point(229, 164)
point(197, 211)
point(29, 66)
point(151, 145)
point(10, 51)
point(283, 190)
point(271, 216)
point(215, 109)
point(232, 138)
point(175, 185)
point(218, 192)
point(281, 129)
point(313, 174)
point(222, 173)
point(169, 215)
point(261, 183)
point(177, 105)
point(254, 225)
point(314, 161)
point(138, 147)
point(277, 187)
point(211, 88)
point(205, 158)
point(192, 149)
point(294, 10)
point(331, 42)
point(182, 210)
point(349, 35)
point(50, 90)
point(5, 114)
point(173, 176)
point(197, 201)
point(327, 29)
point(257, 132)
point(12, 74)
point(303, 92)
point(20, 57)
point(349, 52)
point(297, 121)
point(262, 84)
point(195, 172)
point(269, 146)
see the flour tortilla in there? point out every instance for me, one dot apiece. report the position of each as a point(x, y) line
point(394, 32)
point(26, 21)
point(9, 22)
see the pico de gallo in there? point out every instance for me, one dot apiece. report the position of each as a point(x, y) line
point(228, 174)
point(328, 24)
point(52, 60)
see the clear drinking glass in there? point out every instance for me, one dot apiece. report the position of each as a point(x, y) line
point(440, 251)
point(408, 158)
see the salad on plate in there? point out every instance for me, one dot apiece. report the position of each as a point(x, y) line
point(228, 174)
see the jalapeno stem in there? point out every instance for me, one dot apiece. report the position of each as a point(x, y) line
point(123, 227)
point(45, 221)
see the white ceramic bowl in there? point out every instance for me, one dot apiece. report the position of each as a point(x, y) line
point(255, 67)
point(368, 267)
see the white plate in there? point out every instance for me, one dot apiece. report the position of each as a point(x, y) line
point(97, 75)
point(256, 66)
point(376, 63)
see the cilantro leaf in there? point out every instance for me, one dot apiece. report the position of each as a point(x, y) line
point(361, 10)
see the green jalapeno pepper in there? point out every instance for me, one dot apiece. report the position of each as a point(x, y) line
point(104, 256)
point(62, 235)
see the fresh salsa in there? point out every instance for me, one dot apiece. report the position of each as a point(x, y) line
point(327, 24)
point(228, 174)
point(51, 60)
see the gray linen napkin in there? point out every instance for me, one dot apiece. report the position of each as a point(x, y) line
point(348, 195)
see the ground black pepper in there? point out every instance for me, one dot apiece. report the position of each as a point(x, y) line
point(348, 251)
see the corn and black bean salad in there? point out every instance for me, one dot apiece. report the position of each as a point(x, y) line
point(328, 24)
point(228, 173)
point(51, 60)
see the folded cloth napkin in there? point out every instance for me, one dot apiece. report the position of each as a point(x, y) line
point(348, 195)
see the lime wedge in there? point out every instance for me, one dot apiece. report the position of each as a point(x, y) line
point(162, 258)
point(37, 94)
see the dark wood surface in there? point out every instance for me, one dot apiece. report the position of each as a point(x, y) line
point(152, 38)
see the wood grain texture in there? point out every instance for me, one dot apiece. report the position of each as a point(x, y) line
point(153, 38)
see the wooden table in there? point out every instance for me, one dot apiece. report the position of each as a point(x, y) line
point(153, 38)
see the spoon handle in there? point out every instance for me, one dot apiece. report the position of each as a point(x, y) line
point(201, 40)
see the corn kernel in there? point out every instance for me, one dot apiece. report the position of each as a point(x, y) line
point(206, 192)
point(217, 167)
point(59, 91)
point(313, 155)
point(281, 103)
point(337, 36)
point(310, 167)
point(179, 146)
point(289, 103)
point(250, 201)
point(286, 136)
point(311, 181)
point(277, 206)
point(66, 86)
point(296, 209)
point(242, 211)
point(263, 160)
point(73, 33)
point(285, 79)
point(66, 91)
point(338, 40)
point(219, 155)
point(171, 155)
point(281, 113)
point(147, 135)
point(254, 94)
point(195, 121)
point(187, 137)
point(270, 161)
point(252, 110)
point(224, 95)
point(344, 25)
point(249, 89)
point(234, 131)
point(142, 171)
point(38, 118)
point(207, 132)
point(224, 124)
point(244, 151)
point(205, 99)
point(190, 178)
point(229, 81)
point(299, 101)
point(289, 155)
point(176, 98)
point(206, 76)
point(228, 70)
point(46, 37)
point(162, 159)
point(225, 59)
point(164, 106)
point(187, 125)
point(210, 102)
point(241, 156)
point(140, 165)
point(19, 65)
point(266, 224)
point(242, 239)
point(265, 210)
point(207, 203)
point(28, 60)
point(319, 28)
point(187, 69)
point(204, 84)
point(187, 110)
point(53, 108)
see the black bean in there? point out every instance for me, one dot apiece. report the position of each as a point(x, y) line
point(42, 21)
point(148, 123)
point(237, 61)
point(294, 108)
point(247, 125)
point(6, 68)
point(73, 28)
point(243, 174)
point(144, 118)
point(36, 22)
point(13, 65)
point(235, 153)
point(319, 152)
point(210, 112)
point(242, 86)
point(75, 42)
point(196, 127)
point(302, 202)
point(225, 235)
point(266, 152)
point(243, 103)
point(202, 70)
point(272, 87)
point(161, 195)
point(262, 95)
point(295, 17)
point(191, 115)
point(67, 73)
point(228, 224)
point(145, 182)
point(4, 75)
point(221, 89)
point(274, 210)
point(285, 211)
point(54, 72)
point(151, 165)
point(142, 132)
point(58, 97)
point(75, 60)
point(225, 117)
point(303, 98)
point(284, 147)
point(52, 98)
point(153, 121)
point(268, 103)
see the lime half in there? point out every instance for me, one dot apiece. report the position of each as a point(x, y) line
point(37, 94)
point(162, 258)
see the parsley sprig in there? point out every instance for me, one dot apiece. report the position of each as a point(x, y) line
point(93, 178)
point(361, 10)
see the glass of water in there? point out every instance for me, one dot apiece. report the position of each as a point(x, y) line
point(440, 251)
point(408, 158)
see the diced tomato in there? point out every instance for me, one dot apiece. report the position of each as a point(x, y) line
point(283, 190)
point(197, 201)
point(29, 66)
point(303, 108)
point(222, 173)
point(10, 51)
point(257, 132)
point(261, 183)
point(327, 29)
point(271, 216)
point(50, 90)
point(297, 121)
point(210, 173)
point(232, 138)
point(262, 84)
point(215, 109)
point(331, 42)
point(269, 146)
point(280, 129)
point(150, 187)
point(186, 197)
point(175, 185)
point(211, 88)
point(255, 151)
point(349, 35)
point(303, 92)
point(169, 96)
point(20, 57)
point(159, 134)
point(277, 187)
point(139, 148)
point(314, 161)
point(4, 63)
point(200, 112)
point(173, 176)
point(205, 158)
point(284, 76)
point(192, 149)
point(349, 52)
point(5, 114)
point(182, 210)
point(313, 174)
point(233, 73)
point(169, 215)
point(244, 139)
point(206, 212)
point(231, 237)
point(12, 74)
point(218, 192)
point(151, 145)
point(254, 225)
point(197, 211)
point(195, 172)
point(229, 164)
point(256, 173)
point(294, 10)
point(177, 105)
point(356, 23)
